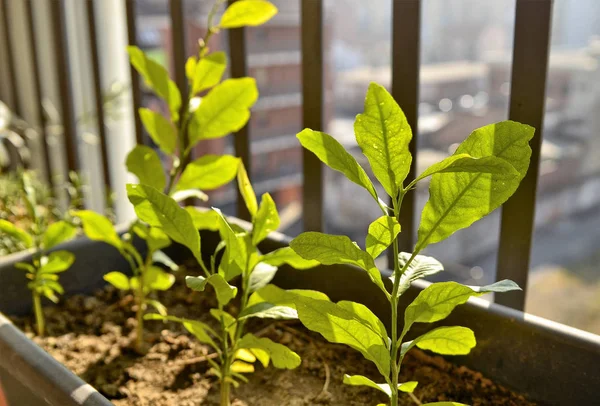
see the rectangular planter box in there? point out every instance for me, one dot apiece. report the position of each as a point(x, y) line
point(547, 362)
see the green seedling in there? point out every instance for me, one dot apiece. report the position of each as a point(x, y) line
point(481, 175)
point(237, 349)
point(148, 277)
point(40, 236)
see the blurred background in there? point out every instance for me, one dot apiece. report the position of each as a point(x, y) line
point(466, 51)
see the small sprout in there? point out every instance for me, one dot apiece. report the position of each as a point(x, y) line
point(481, 175)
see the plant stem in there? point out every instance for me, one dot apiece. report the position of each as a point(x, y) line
point(225, 392)
point(39, 315)
point(225, 362)
point(394, 307)
point(139, 329)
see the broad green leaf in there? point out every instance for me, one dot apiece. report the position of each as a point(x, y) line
point(246, 190)
point(456, 163)
point(225, 109)
point(208, 172)
point(438, 300)
point(279, 297)
point(161, 130)
point(367, 317)
point(157, 78)
point(145, 163)
point(190, 67)
point(444, 340)
point(261, 275)
point(208, 72)
point(287, 255)
point(16, 233)
point(244, 355)
point(408, 387)
point(359, 380)
point(234, 258)
point(162, 258)
point(338, 325)
point(157, 239)
point(457, 199)
point(99, 228)
point(157, 279)
point(383, 134)
point(244, 13)
point(57, 233)
point(381, 234)
point(57, 261)
point(204, 220)
point(118, 280)
point(281, 356)
point(266, 310)
point(24, 266)
point(225, 292)
point(159, 210)
point(181, 195)
point(266, 219)
point(333, 154)
point(200, 330)
point(335, 249)
point(420, 267)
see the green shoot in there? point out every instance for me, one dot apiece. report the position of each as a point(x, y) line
point(481, 175)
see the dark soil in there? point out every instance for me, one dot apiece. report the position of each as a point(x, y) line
point(93, 336)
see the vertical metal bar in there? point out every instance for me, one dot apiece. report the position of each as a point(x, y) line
point(15, 97)
point(178, 44)
point(406, 34)
point(64, 82)
point(95, 61)
point(136, 96)
point(533, 20)
point(312, 111)
point(239, 68)
point(37, 88)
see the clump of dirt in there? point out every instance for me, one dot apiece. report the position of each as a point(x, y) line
point(93, 336)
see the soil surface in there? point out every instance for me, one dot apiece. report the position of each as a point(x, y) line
point(93, 336)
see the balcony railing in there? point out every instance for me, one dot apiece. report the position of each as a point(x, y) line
point(527, 96)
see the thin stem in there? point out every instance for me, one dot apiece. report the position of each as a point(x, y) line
point(394, 307)
point(39, 315)
point(225, 362)
point(225, 392)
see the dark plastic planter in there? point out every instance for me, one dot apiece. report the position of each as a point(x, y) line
point(548, 362)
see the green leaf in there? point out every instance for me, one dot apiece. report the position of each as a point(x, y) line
point(234, 258)
point(279, 297)
point(190, 67)
point(383, 134)
point(145, 163)
point(438, 300)
point(367, 317)
point(208, 172)
point(261, 275)
point(159, 210)
point(157, 239)
point(204, 220)
point(246, 190)
point(420, 267)
point(225, 109)
point(196, 328)
point(157, 78)
point(457, 199)
point(208, 72)
point(444, 340)
point(338, 325)
point(225, 292)
point(266, 310)
point(161, 130)
point(287, 255)
point(228, 320)
point(244, 13)
point(241, 367)
point(381, 234)
point(408, 387)
point(281, 356)
point(160, 308)
point(162, 258)
point(118, 280)
point(99, 228)
point(266, 219)
point(333, 154)
point(16, 233)
point(456, 163)
point(157, 279)
point(57, 261)
point(335, 249)
point(359, 380)
point(24, 266)
point(57, 233)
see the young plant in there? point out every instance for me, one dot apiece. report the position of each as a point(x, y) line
point(147, 277)
point(237, 349)
point(481, 175)
point(41, 236)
